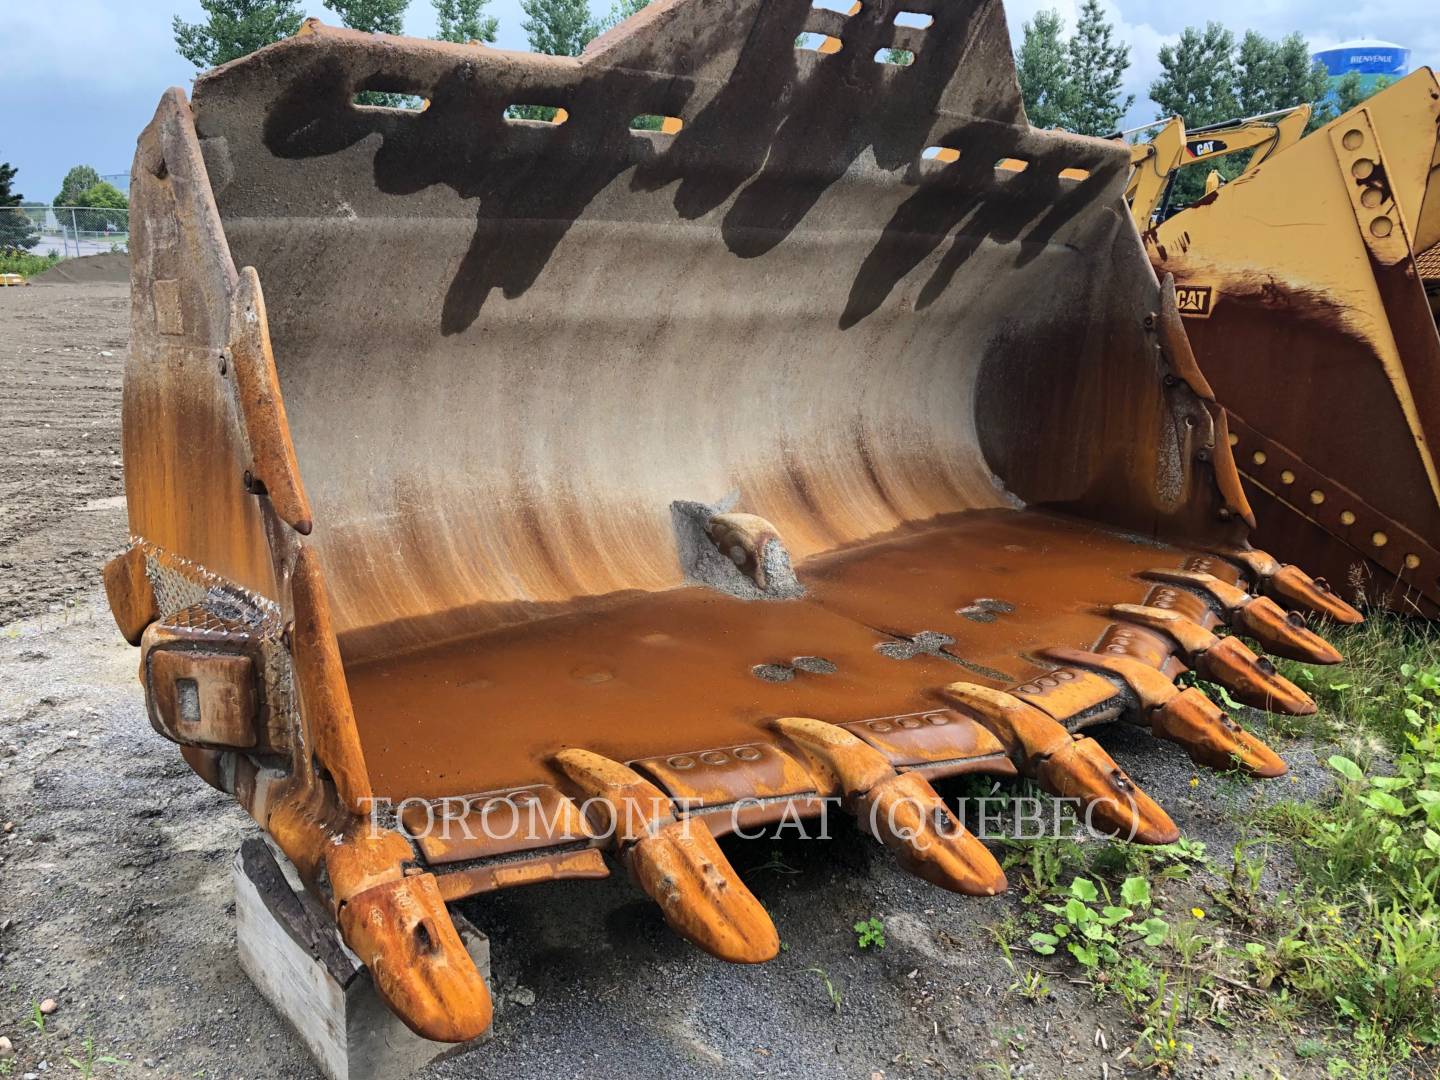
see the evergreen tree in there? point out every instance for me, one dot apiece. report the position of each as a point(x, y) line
point(462, 21)
point(1043, 71)
point(234, 28)
point(77, 181)
point(17, 230)
point(1207, 79)
point(1097, 66)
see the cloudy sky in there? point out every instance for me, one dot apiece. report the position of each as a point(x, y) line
point(80, 78)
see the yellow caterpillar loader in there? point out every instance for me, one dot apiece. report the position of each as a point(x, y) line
point(514, 500)
point(1308, 287)
point(1155, 164)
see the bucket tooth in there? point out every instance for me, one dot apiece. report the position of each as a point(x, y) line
point(1285, 633)
point(402, 932)
point(1252, 679)
point(1185, 717)
point(901, 810)
point(1211, 738)
point(1070, 766)
point(676, 862)
point(1279, 632)
point(1291, 587)
point(910, 818)
point(681, 867)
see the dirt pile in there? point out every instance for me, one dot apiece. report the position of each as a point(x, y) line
point(108, 268)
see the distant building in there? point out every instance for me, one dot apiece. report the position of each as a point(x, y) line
point(1370, 59)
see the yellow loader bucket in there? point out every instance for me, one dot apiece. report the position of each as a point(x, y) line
point(1314, 320)
point(517, 498)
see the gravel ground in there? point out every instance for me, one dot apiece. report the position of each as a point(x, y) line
point(62, 504)
point(115, 897)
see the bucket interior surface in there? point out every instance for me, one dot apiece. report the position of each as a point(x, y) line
point(676, 672)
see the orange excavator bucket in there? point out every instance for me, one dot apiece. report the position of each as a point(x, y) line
point(1309, 289)
point(515, 498)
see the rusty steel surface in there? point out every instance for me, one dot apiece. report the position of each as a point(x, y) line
point(513, 501)
point(1308, 295)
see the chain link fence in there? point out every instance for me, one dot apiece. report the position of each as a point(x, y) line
point(65, 231)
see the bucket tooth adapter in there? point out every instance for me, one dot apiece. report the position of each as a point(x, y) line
point(521, 492)
point(1309, 287)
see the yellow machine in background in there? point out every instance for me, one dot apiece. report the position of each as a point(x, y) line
point(1157, 162)
point(1309, 286)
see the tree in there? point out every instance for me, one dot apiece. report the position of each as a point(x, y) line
point(1272, 75)
point(462, 21)
point(77, 181)
point(1350, 91)
point(1197, 77)
point(371, 16)
point(376, 17)
point(558, 27)
point(1043, 71)
point(1207, 79)
point(107, 209)
point(234, 28)
point(619, 11)
point(17, 231)
point(1073, 84)
point(1097, 66)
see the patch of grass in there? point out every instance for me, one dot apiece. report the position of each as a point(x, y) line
point(1359, 935)
point(1353, 936)
point(1363, 698)
point(26, 264)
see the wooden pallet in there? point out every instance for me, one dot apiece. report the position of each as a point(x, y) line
point(295, 958)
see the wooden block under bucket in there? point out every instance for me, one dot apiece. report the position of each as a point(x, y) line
point(296, 959)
